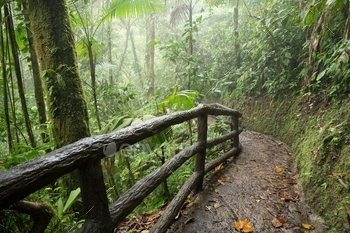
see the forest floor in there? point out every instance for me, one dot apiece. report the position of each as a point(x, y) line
point(257, 192)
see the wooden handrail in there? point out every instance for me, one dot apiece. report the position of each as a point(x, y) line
point(26, 178)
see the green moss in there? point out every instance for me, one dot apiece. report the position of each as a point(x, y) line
point(318, 133)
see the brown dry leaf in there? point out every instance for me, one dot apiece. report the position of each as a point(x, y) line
point(152, 217)
point(282, 218)
point(276, 223)
point(221, 182)
point(308, 226)
point(189, 204)
point(189, 220)
point(279, 169)
point(220, 167)
point(287, 197)
point(243, 226)
point(225, 179)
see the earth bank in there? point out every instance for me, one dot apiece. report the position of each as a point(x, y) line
point(318, 132)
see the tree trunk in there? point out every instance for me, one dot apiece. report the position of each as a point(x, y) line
point(109, 46)
point(5, 87)
point(54, 43)
point(11, 32)
point(92, 63)
point(150, 55)
point(121, 63)
point(38, 85)
point(137, 66)
point(236, 48)
point(190, 18)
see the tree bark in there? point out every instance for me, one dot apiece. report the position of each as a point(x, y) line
point(38, 85)
point(54, 43)
point(40, 213)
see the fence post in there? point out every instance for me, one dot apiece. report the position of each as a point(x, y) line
point(234, 127)
point(202, 126)
point(95, 202)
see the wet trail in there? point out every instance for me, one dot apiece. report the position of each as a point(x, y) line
point(260, 186)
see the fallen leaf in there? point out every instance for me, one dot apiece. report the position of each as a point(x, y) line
point(243, 226)
point(208, 207)
point(308, 226)
point(279, 169)
point(152, 217)
point(276, 223)
point(189, 220)
point(188, 204)
point(221, 182)
point(220, 167)
point(287, 197)
point(217, 205)
point(283, 219)
point(225, 179)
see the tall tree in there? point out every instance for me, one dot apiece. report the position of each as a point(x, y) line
point(5, 87)
point(150, 55)
point(17, 66)
point(38, 86)
point(54, 43)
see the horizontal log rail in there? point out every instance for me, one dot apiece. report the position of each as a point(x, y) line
point(26, 178)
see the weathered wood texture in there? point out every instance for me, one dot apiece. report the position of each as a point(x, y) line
point(40, 214)
point(234, 126)
point(202, 125)
point(216, 162)
point(93, 194)
point(216, 141)
point(134, 196)
point(26, 178)
point(175, 205)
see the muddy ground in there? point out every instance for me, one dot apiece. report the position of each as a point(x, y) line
point(260, 186)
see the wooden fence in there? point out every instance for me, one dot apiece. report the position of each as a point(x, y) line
point(85, 155)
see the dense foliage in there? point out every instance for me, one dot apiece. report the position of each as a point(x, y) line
point(201, 54)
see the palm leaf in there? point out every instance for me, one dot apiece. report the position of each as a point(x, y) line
point(179, 13)
point(133, 8)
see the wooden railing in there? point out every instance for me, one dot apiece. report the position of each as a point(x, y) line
point(85, 155)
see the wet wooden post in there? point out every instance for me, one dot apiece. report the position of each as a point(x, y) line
point(202, 125)
point(234, 127)
point(95, 202)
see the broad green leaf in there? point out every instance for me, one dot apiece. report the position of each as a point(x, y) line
point(313, 13)
point(59, 208)
point(72, 197)
point(117, 123)
point(320, 75)
point(31, 154)
point(180, 100)
point(133, 8)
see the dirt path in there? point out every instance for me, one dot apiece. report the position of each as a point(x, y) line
point(260, 186)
